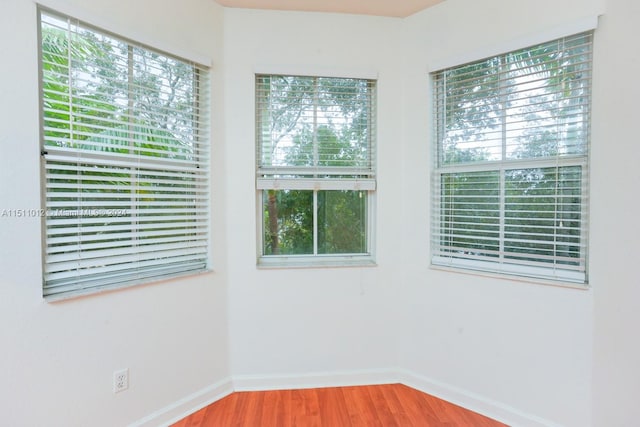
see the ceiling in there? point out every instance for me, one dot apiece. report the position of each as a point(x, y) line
point(393, 8)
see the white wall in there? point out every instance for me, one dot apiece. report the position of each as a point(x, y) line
point(615, 217)
point(334, 324)
point(526, 353)
point(57, 359)
point(521, 352)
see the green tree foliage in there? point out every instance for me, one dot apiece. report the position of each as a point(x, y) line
point(342, 222)
point(292, 231)
point(120, 96)
point(66, 89)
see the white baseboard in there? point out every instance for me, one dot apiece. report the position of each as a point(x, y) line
point(472, 401)
point(464, 398)
point(315, 380)
point(187, 405)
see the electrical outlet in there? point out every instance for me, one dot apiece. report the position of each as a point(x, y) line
point(120, 380)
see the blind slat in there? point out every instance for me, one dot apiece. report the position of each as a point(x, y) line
point(142, 274)
point(96, 258)
point(104, 273)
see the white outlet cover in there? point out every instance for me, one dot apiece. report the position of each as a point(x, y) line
point(120, 380)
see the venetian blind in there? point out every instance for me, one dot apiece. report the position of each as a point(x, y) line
point(125, 148)
point(510, 182)
point(315, 132)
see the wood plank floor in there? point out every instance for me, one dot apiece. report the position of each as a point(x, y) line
point(364, 406)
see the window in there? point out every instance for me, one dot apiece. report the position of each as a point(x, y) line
point(511, 162)
point(315, 169)
point(125, 160)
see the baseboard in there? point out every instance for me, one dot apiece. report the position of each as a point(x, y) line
point(315, 380)
point(474, 402)
point(187, 405)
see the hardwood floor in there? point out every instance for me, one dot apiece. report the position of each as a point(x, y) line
point(381, 405)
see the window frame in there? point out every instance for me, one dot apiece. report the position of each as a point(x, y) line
point(267, 179)
point(193, 182)
point(509, 269)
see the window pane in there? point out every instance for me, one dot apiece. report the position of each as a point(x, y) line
point(83, 78)
point(164, 104)
point(529, 103)
point(543, 215)
point(547, 99)
point(288, 222)
point(470, 212)
point(314, 121)
point(124, 99)
point(342, 222)
point(468, 108)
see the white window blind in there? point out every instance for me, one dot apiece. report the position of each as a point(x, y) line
point(510, 181)
point(315, 151)
point(125, 160)
point(315, 132)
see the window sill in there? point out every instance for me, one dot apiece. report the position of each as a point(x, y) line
point(318, 261)
point(508, 275)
